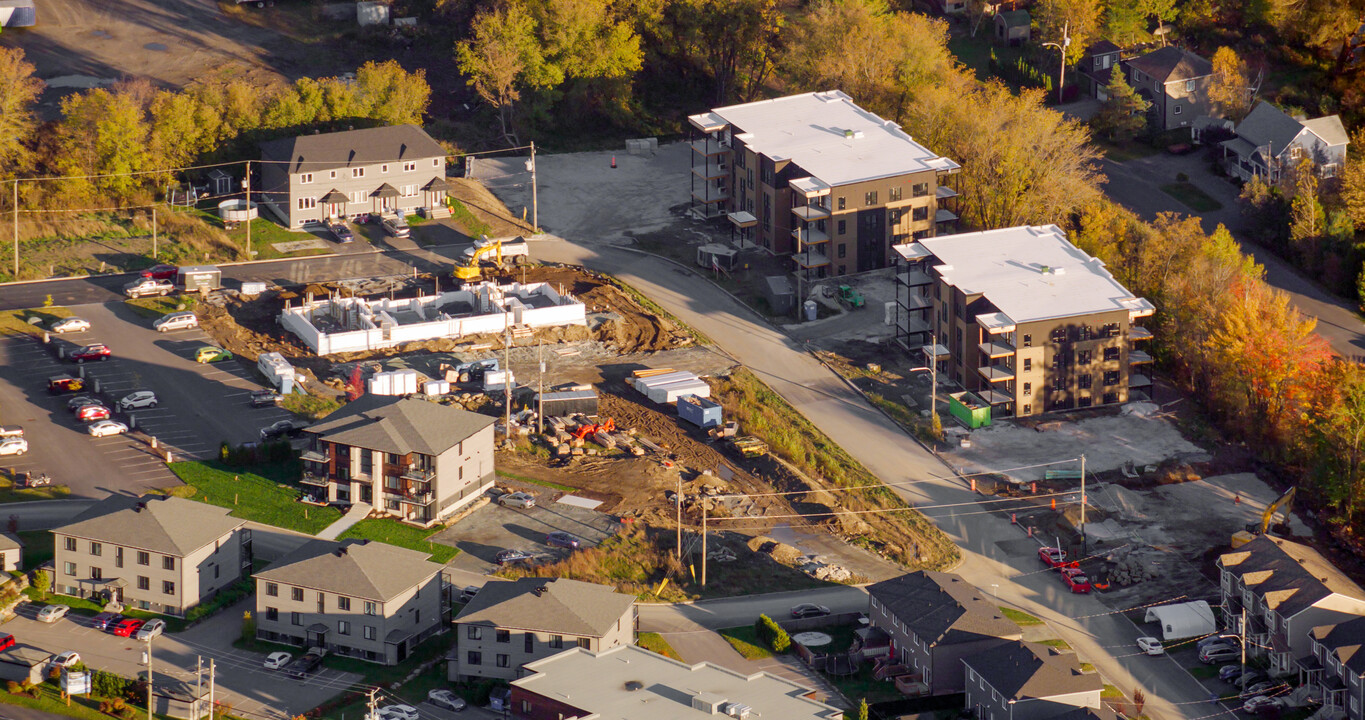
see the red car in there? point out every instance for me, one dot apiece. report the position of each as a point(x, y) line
point(1051, 556)
point(127, 628)
point(91, 413)
point(97, 351)
point(161, 272)
point(1075, 579)
point(6, 641)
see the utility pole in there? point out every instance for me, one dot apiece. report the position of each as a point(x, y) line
point(1083, 538)
point(198, 687)
point(247, 184)
point(1062, 46)
point(16, 228)
point(703, 540)
point(1244, 650)
point(933, 375)
point(540, 394)
point(372, 703)
point(153, 232)
point(678, 499)
point(507, 373)
point(535, 203)
point(150, 703)
point(212, 679)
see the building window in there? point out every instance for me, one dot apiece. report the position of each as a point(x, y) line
point(359, 196)
point(343, 627)
point(843, 226)
point(144, 583)
point(371, 608)
point(1111, 377)
point(144, 558)
point(272, 589)
point(296, 594)
point(474, 657)
point(409, 167)
point(1028, 341)
point(168, 563)
point(1028, 389)
point(503, 636)
point(525, 707)
point(1028, 409)
point(334, 174)
point(295, 618)
point(305, 178)
point(585, 643)
point(383, 168)
point(343, 603)
point(167, 587)
point(1176, 111)
point(369, 632)
point(893, 194)
point(919, 189)
point(307, 203)
point(474, 632)
point(408, 191)
point(1084, 382)
point(71, 544)
point(118, 556)
point(69, 569)
point(530, 640)
point(96, 573)
point(96, 549)
point(436, 162)
point(1111, 353)
point(1083, 357)
point(1028, 364)
point(272, 614)
point(1189, 86)
point(870, 198)
point(843, 249)
point(841, 203)
point(920, 213)
point(357, 172)
point(417, 615)
point(556, 642)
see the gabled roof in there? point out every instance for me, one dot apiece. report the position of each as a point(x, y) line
point(358, 568)
point(1102, 47)
point(399, 425)
point(566, 607)
point(942, 608)
point(1015, 18)
point(1290, 577)
point(170, 525)
point(1022, 670)
point(1171, 64)
point(1269, 125)
point(352, 148)
point(1344, 641)
point(1329, 128)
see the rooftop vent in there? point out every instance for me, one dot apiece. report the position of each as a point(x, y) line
point(708, 702)
point(633, 685)
point(541, 590)
point(340, 552)
point(737, 710)
point(140, 507)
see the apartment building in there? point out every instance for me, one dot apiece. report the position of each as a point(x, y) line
point(1022, 319)
point(935, 620)
point(1030, 681)
point(160, 554)
point(1175, 82)
point(311, 178)
point(632, 682)
point(1270, 142)
point(357, 598)
point(1334, 671)
point(1283, 590)
point(412, 458)
point(819, 179)
point(510, 624)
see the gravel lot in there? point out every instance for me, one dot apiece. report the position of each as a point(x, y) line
point(493, 528)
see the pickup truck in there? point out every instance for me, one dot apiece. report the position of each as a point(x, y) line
point(307, 664)
point(516, 250)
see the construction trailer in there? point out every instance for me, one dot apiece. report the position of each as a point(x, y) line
point(568, 402)
point(700, 411)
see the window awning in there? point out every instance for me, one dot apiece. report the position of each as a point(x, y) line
point(335, 197)
point(386, 191)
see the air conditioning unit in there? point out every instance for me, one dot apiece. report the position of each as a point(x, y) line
point(738, 710)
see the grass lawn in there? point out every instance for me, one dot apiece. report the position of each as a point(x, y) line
point(468, 221)
point(155, 307)
point(1020, 617)
point(89, 608)
point(37, 547)
point(861, 685)
point(1191, 197)
point(253, 497)
point(309, 406)
point(534, 481)
point(744, 639)
point(17, 321)
point(1124, 151)
point(407, 536)
point(654, 642)
point(1058, 643)
point(8, 494)
point(49, 700)
point(264, 235)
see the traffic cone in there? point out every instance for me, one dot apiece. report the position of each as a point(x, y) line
point(613, 162)
point(1054, 503)
point(1236, 499)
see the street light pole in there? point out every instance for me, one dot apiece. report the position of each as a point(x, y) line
point(150, 704)
point(1061, 47)
point(535, 204)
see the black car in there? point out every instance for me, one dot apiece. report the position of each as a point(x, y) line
point(809, 610)
point(282, 429)
point(341, 231)
point(304, 666)
point(559, 538)
point(265, 398)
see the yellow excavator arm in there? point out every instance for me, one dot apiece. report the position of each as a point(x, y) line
point(470, 270)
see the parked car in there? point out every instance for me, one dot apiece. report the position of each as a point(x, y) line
point(91, 413)
point(1051, 556)
point(11, 431)
point(1076, 580)
point(1219, 653)
point(106, 620)
point(341, 231)
point(70, 658)
point(265, 398)
point(183, 320)
point(306, 664)
point(1261, 705)
point(71, 324)
point(137, 399)
point(1248, 678)
point(1230, 673)
point(395, 226)
point(148, 286)
point(127, 627)
point(6, 641)
point(518, 499)
point(1151, 646)
point(59, 384)
point(210, 354)
point(446, 699)
point(151, 629)
point(468, 594)
point(80, 401)
point(97, 351)
point(13, 446)
point(396, 712)
point(1220, 643)
point(277, 660)
point(809, 610)
point(283, 428)
point(161, 272)
point(1208, 640)
point(53, 613)
point(508, 557)
point(1262, 687)
point(562, 539)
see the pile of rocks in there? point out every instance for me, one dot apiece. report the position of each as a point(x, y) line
point(1130, 570)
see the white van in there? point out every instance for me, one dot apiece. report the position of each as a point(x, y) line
point(184, 320)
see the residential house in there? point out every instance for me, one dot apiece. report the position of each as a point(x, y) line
point(1334, 671)
point(310, 178)
point(11, 553)
point(1096, 68)
point(1269, 142)
point(511, 624)
point(1013, 27)
point(1022, 318)
point(413, 458)
point(818, 179)
point(1175, 82)
point(952, 7)
point(934, 620)
point(356, 598)
point(1283, 590)
point(1030, 681)
point(632, 682)
point(161, 554)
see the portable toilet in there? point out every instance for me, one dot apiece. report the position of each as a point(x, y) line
point(700, 411)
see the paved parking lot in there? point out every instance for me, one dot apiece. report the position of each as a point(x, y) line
point(199, 405)
point(493, 528)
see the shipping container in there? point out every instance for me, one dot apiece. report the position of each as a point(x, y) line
point(700, 411)
point(566, 403)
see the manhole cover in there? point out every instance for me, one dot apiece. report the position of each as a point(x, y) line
point(812, 639)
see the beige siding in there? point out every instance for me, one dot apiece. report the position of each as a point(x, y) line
point(501, 659)
point(192, 576)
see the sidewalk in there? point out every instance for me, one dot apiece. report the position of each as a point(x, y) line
point(359, 511)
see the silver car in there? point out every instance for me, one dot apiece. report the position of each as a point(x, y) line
point(518, 499)
point(396, 226)
point(176, 321)
point(71, 324)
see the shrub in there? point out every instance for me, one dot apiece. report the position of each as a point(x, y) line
point(771, 633)
point(13, 688)
point(107, 684)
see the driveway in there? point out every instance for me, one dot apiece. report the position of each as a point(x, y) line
point(493, 528)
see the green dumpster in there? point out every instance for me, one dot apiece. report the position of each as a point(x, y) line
point(970, 409)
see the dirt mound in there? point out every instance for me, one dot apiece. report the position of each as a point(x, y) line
point(485, 207)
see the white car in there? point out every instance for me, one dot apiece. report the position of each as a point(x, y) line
point(139, 399)
point(396, 226)
point(518, 499)
point(53, 613)
point(277, 660)
point(397, 712)
point(1151, 646)
point(446, 699)
point(13, 446)
point(151, 629)
point(104, 428)
point(71, 324)
point(70, 658)
point(176, 321)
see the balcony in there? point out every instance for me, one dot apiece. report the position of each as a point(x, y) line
point(1138, 357)
point(943, 193)
point(419, 474)
point(995, 397)
point(916, 302)
point(710, 194)
point(310, 455)
point(914, 326)
point(418, 499)
point(914, 278)
point(809, 235)
point(995, 349)
point(314, 480)
point(810, 259)
point(711, 171)
point(810, 212)
point(943, 216)
point(996, 373)
point(1137, 332)
point(709, 147)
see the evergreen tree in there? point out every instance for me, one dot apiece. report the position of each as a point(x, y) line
point(1121, 117)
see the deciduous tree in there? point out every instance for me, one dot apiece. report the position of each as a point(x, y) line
point(503, 56)
point(1079, 20)
point(1230, 87)
point(18, 91)
point(391, 95)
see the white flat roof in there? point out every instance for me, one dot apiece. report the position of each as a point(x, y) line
point(662, 689)
point(1029, 273)
point(829, 137)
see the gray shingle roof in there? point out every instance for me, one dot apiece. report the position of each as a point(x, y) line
point(567, 607)
point(942, 608)
point(1329, 128)
point(351, 148)
point(10, 542)
point(1267, 124)
point(171, 525)
point(1101, 47)
point(1344, 641)
point(359, 568)
point(1290, 577)
point(400, 425)
point(1015, 18)
point(1021, 670)
point(1170, 64)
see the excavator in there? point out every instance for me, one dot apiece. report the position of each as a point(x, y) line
point(471, 269)
point(584, 431)
point(1284, 504)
